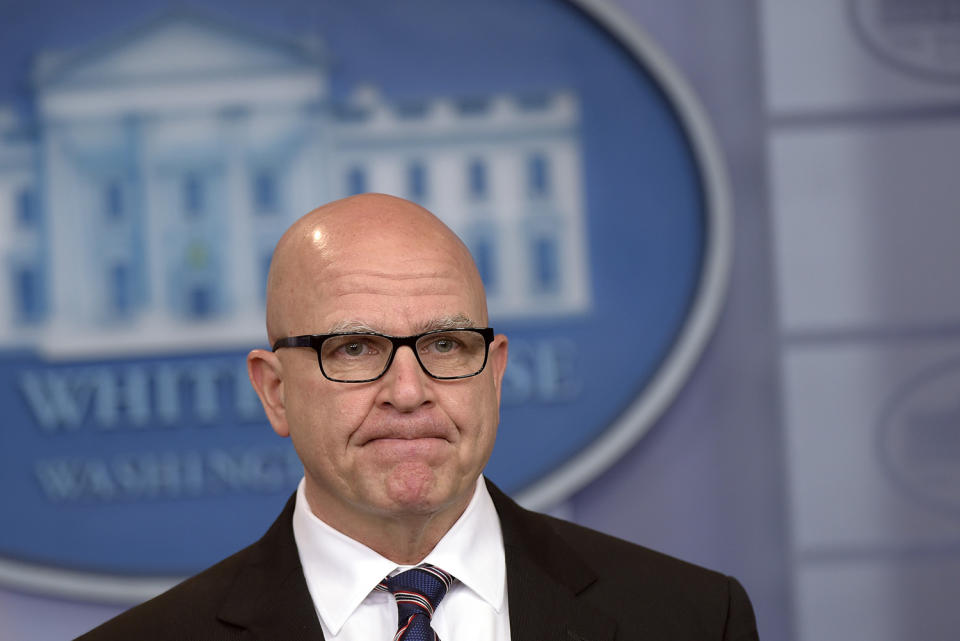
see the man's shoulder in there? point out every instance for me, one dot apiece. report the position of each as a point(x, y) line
point(678, 597)
point(641, 589)
point(613, 557)
point(548, 537)
point(190, 606)
point(618, 556)
point(219, 601)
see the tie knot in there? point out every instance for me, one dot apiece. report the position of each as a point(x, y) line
point(419, 589)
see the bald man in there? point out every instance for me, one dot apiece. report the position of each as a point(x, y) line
point(386, 377)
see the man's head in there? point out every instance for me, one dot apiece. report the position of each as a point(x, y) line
point(406, 444)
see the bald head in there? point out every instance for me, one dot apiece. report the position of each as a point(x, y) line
point(362, 243)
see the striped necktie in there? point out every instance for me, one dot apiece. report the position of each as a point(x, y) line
point(418, 592)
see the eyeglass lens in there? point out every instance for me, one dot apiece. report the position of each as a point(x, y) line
point(358, 357)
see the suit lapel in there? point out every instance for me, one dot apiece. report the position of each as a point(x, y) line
point(546, 579)
point(269, 596)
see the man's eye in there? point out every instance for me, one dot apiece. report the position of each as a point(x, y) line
point(443, 345)
point(356, 349)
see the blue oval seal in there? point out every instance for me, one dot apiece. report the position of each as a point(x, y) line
point(157, 157)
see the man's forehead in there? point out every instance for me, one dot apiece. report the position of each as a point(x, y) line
point(388, 311)
point(351, 261)
point(380, 281)
point(383, 299)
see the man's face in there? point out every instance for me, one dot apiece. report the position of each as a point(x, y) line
point(406, 443)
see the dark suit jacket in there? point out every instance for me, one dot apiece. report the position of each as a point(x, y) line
point(564, 582)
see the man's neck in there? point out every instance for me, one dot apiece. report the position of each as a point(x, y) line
point(405, 539)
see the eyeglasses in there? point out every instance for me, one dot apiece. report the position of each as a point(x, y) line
point(361, 357)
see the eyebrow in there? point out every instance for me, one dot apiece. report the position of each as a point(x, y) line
point(444, 322)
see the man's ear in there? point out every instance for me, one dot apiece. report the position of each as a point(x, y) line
point(497, 360)
point(266, 376)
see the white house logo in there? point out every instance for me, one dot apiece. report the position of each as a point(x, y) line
point(922, 36)
point(919, 436)
point(146, 176)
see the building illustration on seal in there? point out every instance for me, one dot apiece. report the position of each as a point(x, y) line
point(141, 199)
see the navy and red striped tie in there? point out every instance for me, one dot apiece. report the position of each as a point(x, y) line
point(418, 592)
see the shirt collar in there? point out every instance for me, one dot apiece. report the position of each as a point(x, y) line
point(341, 572)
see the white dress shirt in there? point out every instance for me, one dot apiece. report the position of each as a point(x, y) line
point(341, 575)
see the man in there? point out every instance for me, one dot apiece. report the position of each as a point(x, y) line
point(393, 435)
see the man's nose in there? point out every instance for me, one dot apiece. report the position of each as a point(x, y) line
point(405, 385)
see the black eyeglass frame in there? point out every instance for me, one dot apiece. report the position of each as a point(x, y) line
point(315, 341)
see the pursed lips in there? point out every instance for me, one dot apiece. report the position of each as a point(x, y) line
point(411, 433)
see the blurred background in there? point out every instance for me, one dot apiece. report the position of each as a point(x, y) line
point(753, 203)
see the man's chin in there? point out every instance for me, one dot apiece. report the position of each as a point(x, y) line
point(415, 488)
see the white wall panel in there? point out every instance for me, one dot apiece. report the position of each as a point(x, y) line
point(866, 225)
point(819, 58)
point(868, 600)
point(852, 476)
